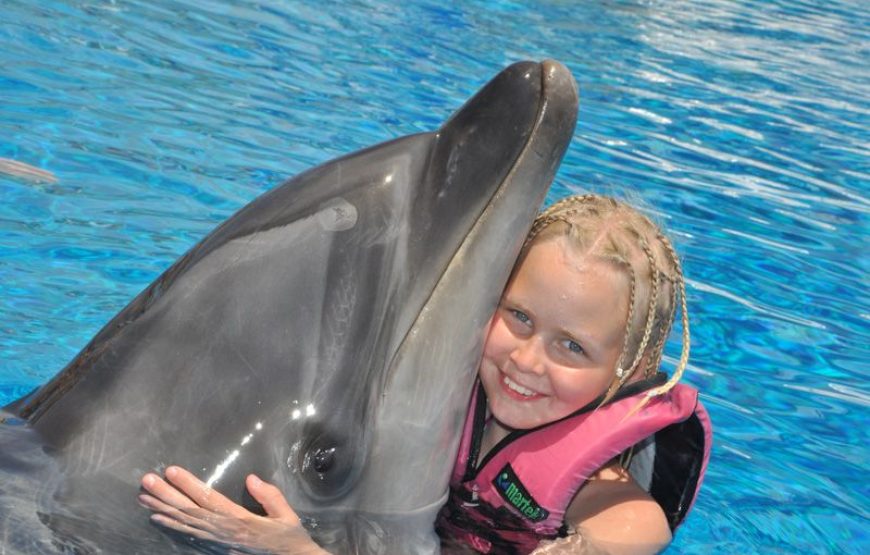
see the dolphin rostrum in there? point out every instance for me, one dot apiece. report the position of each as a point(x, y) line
point(326, 337)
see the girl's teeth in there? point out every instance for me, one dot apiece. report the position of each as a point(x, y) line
point(517, 387)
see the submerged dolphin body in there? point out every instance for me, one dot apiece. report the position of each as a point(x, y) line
point(326, 336)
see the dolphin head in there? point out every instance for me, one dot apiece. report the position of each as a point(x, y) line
point(326, 336)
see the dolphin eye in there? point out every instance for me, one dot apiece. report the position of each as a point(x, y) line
point(322, 459)
point(327, 463)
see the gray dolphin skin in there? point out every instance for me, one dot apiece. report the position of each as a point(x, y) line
point(326, 337)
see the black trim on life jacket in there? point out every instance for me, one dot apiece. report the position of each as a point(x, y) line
point(677, 469)
point(476, 434)
point(471, 466)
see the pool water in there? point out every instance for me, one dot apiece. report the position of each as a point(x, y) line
point(741, 125)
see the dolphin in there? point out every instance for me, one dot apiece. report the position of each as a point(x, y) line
point(326, 336)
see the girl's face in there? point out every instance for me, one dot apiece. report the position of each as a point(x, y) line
point(556, 336)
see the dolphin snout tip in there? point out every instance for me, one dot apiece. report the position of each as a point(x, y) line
point(556, 76)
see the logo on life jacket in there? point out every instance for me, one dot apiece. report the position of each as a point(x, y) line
point(512, 490)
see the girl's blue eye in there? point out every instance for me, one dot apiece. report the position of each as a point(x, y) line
point(573, 346)
point(521, 316)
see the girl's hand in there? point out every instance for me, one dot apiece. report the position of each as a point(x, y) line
point(185, 504)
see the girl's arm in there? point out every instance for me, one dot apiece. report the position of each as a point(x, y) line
point(184, 503)
point(612, 515)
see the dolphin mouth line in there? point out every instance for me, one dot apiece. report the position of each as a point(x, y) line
point(543, 101)
point(547, 69)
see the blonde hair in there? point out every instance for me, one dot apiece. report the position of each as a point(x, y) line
point(613, 231)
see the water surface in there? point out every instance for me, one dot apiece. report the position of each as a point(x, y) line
point(741, 125)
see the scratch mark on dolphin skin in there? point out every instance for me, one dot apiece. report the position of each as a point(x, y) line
point(244, 360)
point(100, 440)
point(338, 320)
point(91, 449)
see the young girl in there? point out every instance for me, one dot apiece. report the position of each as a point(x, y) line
point(574, 441)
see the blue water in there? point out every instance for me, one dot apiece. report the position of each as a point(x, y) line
point(742, 125)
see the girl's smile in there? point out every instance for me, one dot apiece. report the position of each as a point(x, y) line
point(556, 337)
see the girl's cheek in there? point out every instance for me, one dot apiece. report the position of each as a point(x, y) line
point(576, 386)
point(490, 330)
point(490, 345)
point(498, 337)
point(495, 322)
point(492, 320)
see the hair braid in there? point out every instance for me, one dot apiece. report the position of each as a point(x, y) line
point(651, 306)
point(621, 372)
point(614, 231)
point(686, 336)
point(666, 323)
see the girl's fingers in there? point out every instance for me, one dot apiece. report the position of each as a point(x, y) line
point(157, 487)
point(151, 502)
point(272, 500)
point(200, 519)
point(172, 524)
point(202, 494)
point(185, 504)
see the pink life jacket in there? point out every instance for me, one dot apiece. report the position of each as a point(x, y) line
point(519, 493)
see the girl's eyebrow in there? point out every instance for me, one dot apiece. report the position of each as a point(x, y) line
point(513, 303)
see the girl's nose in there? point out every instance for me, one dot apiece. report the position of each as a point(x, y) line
point(528, 356)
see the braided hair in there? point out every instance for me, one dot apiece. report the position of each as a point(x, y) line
point(615, 232)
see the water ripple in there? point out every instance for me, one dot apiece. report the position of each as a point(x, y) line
point(740, 125)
